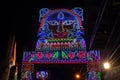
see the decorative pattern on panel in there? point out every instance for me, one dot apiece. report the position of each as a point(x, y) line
point(61, 56)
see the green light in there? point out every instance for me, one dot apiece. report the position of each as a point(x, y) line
point(99, 75)
point(55, 55)
point(91, 59)
point(64, 55)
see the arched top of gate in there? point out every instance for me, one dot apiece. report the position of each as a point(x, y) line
point(61, 27)
point(58, 16)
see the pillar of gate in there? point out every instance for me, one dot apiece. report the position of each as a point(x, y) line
point(27, 71)
point(94, 71)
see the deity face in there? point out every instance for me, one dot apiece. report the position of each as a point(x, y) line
point(60, 30)
point(60, 23)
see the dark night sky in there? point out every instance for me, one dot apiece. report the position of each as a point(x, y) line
point(20, 18)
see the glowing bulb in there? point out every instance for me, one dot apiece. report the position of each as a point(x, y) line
point(106, 65)
point(77, 76)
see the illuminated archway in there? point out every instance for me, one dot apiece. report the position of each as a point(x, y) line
point(61, 40)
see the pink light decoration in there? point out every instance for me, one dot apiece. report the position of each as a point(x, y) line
point(39, 55)
point(62, 44)
point(47, 45)
point(58, 45)
point(69, 44)
point(48, 55)
point(81, 54)
point(66, 44)
point(54, 44)
point(51, 44)
point(71, 55)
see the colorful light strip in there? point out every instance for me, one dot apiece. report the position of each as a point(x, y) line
point(60, 57)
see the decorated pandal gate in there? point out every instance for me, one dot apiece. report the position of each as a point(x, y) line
point(60, 40)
